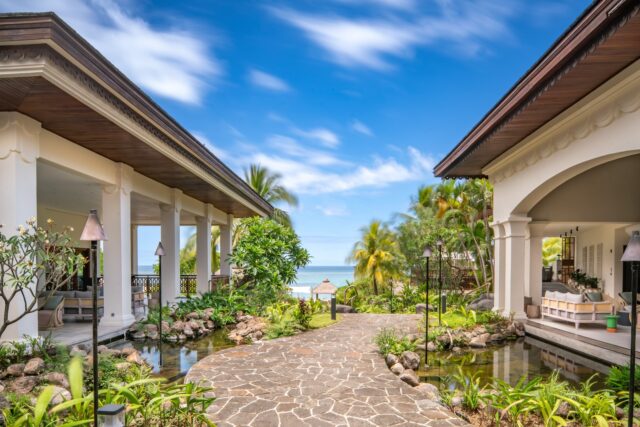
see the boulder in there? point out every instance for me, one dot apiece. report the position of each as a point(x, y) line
point(126, 351)
point(343, 308)
point(193, 315)
point(150, 327)
point(456, 349)
point(482, 303)
point(412, 337)
point(182, 337)
point(410, 377)
point(391, 359)
point(153, 335)
point(431, 346)
point(171, 338)
point(188, 332)
point(420, 308)
point(496, 337)
point(102, 348)
point(207, 313)
point(56, 378)
point(77, 351)
point(429, 391)
point(480, 341)
point(397, 368)
point(456, 401)
point(178, 326)
point(210, 324)
point(15, 370)
point(165, 327)
point(139, 336)
point(23, 385)
point(194, 325)
point(123, 366)
point(59, 395)
point(136, 358)
point(410, 360)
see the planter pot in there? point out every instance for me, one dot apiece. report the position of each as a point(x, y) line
point(612, 323)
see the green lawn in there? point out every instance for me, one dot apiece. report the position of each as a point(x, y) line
point(321, 320)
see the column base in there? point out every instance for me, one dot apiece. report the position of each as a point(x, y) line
point(517, 315)
point(123, 321)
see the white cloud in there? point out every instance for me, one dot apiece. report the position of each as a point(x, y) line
point(268, 81)
point(394, 4)
point(306, 178)
point(323, 135)
point(290, 147)
point(360, 127)
point(370, 42)
point(170, 62)
point(333, 210)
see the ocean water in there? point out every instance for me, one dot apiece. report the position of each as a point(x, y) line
point(312, 276)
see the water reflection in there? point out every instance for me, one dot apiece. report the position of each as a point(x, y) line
point(526, 356)
point(177, 359)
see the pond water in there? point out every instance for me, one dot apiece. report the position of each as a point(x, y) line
point(178, 358)
point(509, 362)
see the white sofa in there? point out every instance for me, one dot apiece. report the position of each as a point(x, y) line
point(572, 308)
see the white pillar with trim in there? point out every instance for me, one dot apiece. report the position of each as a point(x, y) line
point(19, 151)
point(515, 229)
point(498, 267)
point(533, 261)
point(170, 237)
point(203, 250)
point(116, 219)
point(134, 249)
point(226, 246)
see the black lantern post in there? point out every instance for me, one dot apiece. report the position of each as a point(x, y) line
point(632, 254)
point(160, 254)
point(439, 244)
point(94, 233)
point(426, 255)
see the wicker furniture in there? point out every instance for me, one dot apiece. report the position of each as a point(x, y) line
point(50, 312)
point(571, 308)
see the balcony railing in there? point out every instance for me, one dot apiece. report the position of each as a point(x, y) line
point(188, 282)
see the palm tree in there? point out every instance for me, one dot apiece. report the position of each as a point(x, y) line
point(266, 184)
point(188, 253)
point(375, 254)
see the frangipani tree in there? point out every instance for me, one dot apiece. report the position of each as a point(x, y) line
point(34, 259)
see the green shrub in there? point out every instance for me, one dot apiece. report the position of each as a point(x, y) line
point(389, 341)
point(618, 378)
point(302, 314)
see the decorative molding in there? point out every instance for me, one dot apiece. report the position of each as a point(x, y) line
point(19, 135)
point(626, 102)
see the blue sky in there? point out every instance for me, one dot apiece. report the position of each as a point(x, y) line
point(352, 101)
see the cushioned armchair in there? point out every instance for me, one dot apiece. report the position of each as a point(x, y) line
point(50, 312)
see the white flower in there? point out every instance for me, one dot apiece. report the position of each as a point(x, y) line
point(31, 221)
point(22, 230)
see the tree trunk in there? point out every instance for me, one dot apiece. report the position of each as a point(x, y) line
point(375, 285)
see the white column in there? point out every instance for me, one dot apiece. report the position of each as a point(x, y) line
point(515, 229)
point(134, 249)
point(170, 237)
point(203, 251)
point(116, 218)
point(19, 150)
point(498, 267)
point(533, 261)
point(226, 246)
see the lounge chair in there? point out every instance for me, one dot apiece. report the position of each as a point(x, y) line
point(571, 308)
point(50, 313)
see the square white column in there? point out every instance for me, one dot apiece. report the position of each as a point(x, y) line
point(116, 218)
point(170, 238)
point(515, 229)
point(226, 246)
point(498, 267)
point(203, 252)
point(19, 151)
point(533, 261)
point(134, 249)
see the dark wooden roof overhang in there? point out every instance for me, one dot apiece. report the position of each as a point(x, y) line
point(25, 36)
point(603, 41)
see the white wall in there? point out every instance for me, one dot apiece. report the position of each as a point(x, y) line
point(62, 219)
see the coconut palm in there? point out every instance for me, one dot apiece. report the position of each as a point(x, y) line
point(267, 185)
point(188, 253)
point(375, 254)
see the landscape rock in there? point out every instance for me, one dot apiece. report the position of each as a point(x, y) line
point(193, 315)
point(420, 308)
point(431, 346)
point(15, 370)
point(178, 326)
point(165, 327)
point(182, 337)
point(4, 403)
point(480, 341)
point(210, 324)
point(171, 338)
point(188, 332)
point(391, 359)
point(397, 368)
point(152, 335)
point(126, 351)
point(23, 385)
point(56, 378)
point(429, 390)
point(410, 377)
point(139, 336)
point(207, 313)
point(76, 351)
point(412, 337)
point(343, 308)
point(496, 337)
point(102, 348)
point(456, 349)
point(482, 303)
point(456, 401)
point(410, 360)
point(59, 395)
point(136, 358)
point(150, 327)
point(563, 410)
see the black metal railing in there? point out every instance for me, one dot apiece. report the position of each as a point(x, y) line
point(150, 283)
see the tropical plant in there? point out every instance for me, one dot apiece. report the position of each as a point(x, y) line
point(388, 341)
point(31, 254)
point(267, 185)
point(376, 255)
point(269, 256)
point(471, 390)
point(618, 378)
point(551, 248)
point(188, 253)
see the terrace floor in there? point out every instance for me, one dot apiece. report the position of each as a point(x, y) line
point(327, 377)
point(73, 333)
point(592, 340)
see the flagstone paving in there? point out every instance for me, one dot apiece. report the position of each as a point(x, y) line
point(326, 377)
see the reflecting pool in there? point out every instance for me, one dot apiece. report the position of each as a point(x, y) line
point(509, 362)
point(178, 358)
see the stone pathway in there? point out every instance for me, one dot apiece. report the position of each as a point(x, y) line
point(327, 377)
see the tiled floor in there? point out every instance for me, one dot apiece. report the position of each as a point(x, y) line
point(596, 332)
point(80, 332)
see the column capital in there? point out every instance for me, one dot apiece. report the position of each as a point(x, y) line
point(123, 180)
point(498, 230)
point(536, 229)
point(176, 202)
point(516, 226)
point(19, 135)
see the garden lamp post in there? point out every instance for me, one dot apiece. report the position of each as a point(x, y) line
point(160, 254)
point(439, 244)
point(426, 255)
point(94, 233)
point(632, 254)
